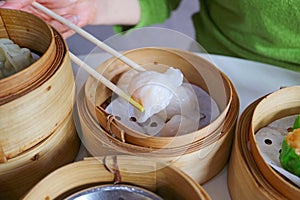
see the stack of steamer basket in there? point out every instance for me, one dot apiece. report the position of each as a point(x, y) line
point(249, 175)
point(79, 177)
point(37, 132)
point(201, 154)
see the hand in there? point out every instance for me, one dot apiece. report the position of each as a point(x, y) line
point(82, 12)
point(79, 12)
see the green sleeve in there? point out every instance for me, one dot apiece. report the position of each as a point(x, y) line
point(152, 12)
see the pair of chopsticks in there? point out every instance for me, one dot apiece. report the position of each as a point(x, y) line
point(102, 45)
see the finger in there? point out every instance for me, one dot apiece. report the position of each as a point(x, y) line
point(57, 3)
point(61, 10)
point(16, 4)
point(58, 26)
point(38, 13)
point(68, 34)
point(24, 5)
point(61, 27)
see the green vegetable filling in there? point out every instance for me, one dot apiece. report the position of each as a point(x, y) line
point(289, 159)
point(297, 122)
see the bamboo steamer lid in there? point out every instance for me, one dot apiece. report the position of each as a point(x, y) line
point(168, 182)
point(249, 177)
point(35, 100)
point(213, 148)
point(196, 70)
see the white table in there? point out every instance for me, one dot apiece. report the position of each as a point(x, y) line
point(251, 80)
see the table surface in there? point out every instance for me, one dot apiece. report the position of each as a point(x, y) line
point(251, 80)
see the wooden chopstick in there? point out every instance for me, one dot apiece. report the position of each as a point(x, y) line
point(102, 45)
point(105, 81)
point(89, 37)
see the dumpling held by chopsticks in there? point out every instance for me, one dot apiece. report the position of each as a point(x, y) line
point(154, 90)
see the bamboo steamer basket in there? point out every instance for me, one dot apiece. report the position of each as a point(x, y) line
point(37, 104)
point(212, 148)
point(20, 174)
point(168, 182)
point(249, 176)
point(280, 104)
point(159, 59)
point(34, 108)
point(31, 32)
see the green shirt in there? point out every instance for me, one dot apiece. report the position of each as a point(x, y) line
point(262, 30)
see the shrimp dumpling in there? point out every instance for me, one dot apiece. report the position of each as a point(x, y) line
point(124, 81)
point(183, 112)
point(184, 102)
point(154, 90)
point(178, 125)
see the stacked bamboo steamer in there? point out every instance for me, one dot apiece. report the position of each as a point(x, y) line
point(102, 134)
point(37, 132)
point(249, 176)
point(166, 181)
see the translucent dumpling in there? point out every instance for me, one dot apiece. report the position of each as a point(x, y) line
point(13, 58)
point(178, 125)
point(183, 112)
point(184, 102)
point(154, 90)
point(125, 79)
point(165, 98)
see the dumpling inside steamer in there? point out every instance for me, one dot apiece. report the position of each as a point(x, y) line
point(13, 58)
point(182, 113)
point(154, 90)
point(171, 105)
point(184, 102)
point(290, 152)
point(270, 140)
